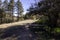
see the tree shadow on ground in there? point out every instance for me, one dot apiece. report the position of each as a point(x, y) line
point(18, 32)
point(22, 32)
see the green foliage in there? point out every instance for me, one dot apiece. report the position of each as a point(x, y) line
point(1, 13)
point(19, 9)
point(7, 10)
point(11, 5)
point(57, 30)
point(49, 8)
point(5, 5)
point(42, 20)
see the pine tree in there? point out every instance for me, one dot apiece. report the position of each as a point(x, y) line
point(1, 14)
point(11, 8)
point(0, 3)
point(53, 11)
point(5, 8)
point(19, 9)
point(5, 5)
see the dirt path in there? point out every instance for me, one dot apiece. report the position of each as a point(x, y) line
point(18, 32)
point(17, 23)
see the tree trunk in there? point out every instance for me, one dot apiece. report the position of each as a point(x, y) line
point(12, 16)
point(18, 16)
point(1, 21)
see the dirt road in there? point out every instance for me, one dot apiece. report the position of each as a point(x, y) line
point(17, 23)
point(17, 32)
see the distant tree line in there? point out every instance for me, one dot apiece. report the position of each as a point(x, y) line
point(8, 9)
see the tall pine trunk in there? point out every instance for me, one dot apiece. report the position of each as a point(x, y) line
point(18, 15)
point(12, 16)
